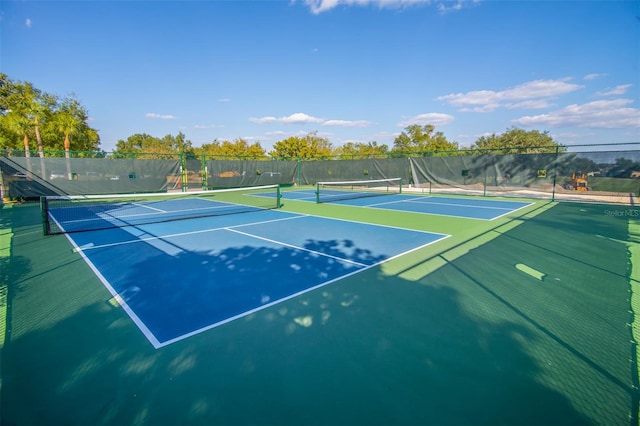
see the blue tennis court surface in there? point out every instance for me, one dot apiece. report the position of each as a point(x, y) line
point(472, 208)
point(176, 279)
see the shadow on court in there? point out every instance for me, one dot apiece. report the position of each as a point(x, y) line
point(202, 288)
point(476, 341)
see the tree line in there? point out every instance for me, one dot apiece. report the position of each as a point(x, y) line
point(36, 121)
point(31, 119)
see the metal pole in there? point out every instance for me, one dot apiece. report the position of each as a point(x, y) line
point(555, 169)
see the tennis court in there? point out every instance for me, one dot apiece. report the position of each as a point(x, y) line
point(236, 264)
point(393, 309)
point(447, 206)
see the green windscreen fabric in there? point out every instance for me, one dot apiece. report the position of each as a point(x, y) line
point(358, 169)
point(481, 173)
point(32, 177)
point(604, 176)
point(239, 173)
point(192, 176)
point(610, 176)
point(607, 176)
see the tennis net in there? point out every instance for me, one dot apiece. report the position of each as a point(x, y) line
point(77, 213)
point(336, 191)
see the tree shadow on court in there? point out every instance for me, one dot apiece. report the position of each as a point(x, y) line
point(201, 288)
point(367, 349)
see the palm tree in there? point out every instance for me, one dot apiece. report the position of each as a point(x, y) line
point(21, 125)
point(37, 110)
point(35, 105)
point(67, 124)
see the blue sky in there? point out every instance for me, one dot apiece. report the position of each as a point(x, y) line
point(350, 70)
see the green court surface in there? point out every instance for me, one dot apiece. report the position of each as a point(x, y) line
point(526, 319)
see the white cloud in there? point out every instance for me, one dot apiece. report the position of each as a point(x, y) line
point(27, 23)
point(489, 100)
point(160, 116)
point(616, 91)
point(433, 118)
point(224, 100)
point(346, 123)
point(302, 118)
point(539, 89)
point(530, 104)
point(450, 6)
point(593, 76)
point(319, 6)
point(207, 126)
point(604, 114)
point(297, 118)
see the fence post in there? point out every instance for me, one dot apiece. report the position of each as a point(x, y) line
point(555, 173)
point(484, 185)
point(183, 173)
point(203, 171)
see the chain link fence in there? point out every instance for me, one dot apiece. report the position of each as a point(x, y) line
point(608, 173)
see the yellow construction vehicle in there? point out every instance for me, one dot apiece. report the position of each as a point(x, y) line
point(578, 182)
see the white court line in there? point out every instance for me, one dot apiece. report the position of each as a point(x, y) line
point(121, 301)
point(302, 198)
point(466, 205)
point(395, 202)
point(123, 217)
point(311, 195)
point(415, 201)
point(298, 247)
point(144, 206)
point(157, 344)
point(291, 296)
point(158, 212)
point(126, 216)
point(512, 211)
point(180, 234)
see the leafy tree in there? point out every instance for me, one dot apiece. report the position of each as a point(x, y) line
point(576, 164)
point(40, 109)
point(70, 115)
point(237, 148)
point(518, 141)
point(142, 142)
point(513, 150)
point(20, 125)
point(361, 150)
point(623, 168)
point(68, 125)
point(308, 146)
point(153, 147)
point(178, 144)
point(15, 124)
point(35, 106)
point(416, 138)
